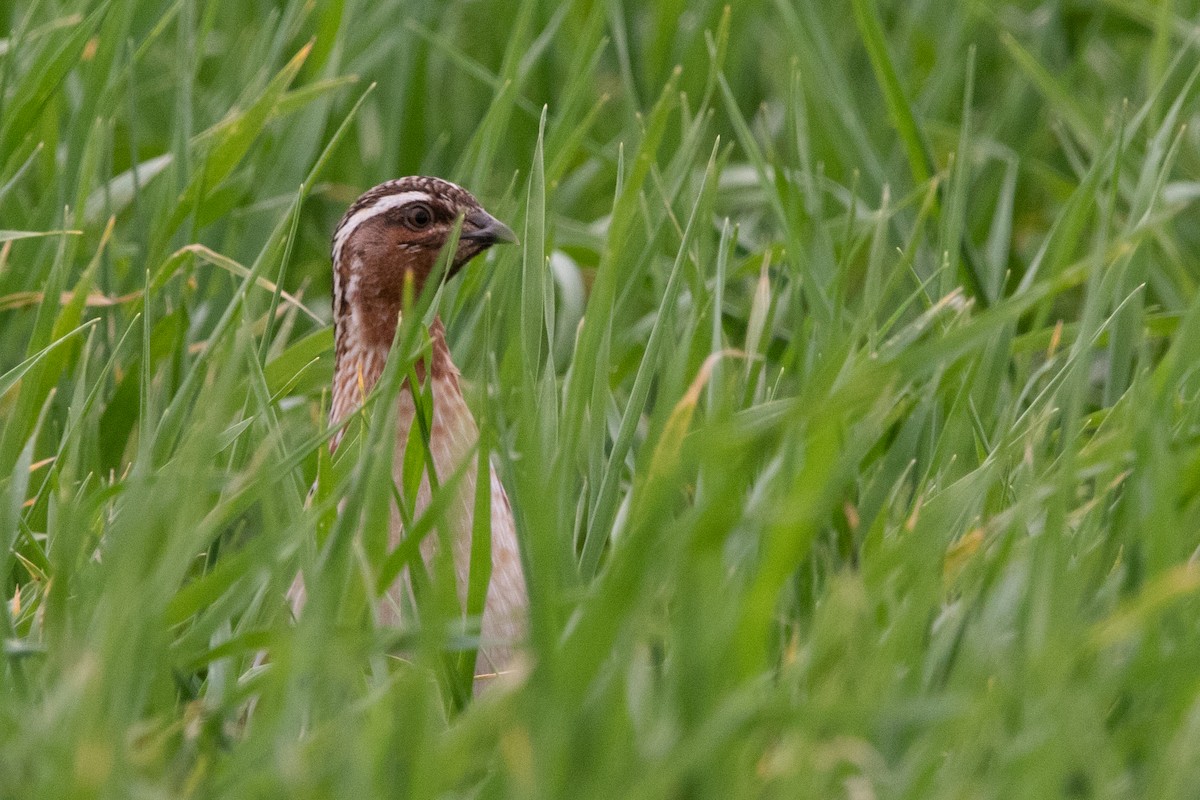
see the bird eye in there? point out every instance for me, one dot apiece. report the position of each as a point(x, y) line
point(419, 216)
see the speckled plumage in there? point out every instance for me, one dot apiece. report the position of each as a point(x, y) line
point(374, 246)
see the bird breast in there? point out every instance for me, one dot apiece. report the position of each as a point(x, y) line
point(453, 443)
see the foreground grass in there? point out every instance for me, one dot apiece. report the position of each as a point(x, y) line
point(843, 386)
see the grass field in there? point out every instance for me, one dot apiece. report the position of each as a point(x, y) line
point(844, 385)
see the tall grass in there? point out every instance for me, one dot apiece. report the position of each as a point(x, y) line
point(843, 386)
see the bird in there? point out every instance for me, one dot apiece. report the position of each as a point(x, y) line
point(393, 234)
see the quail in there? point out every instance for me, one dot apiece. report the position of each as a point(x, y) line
point(394, 233)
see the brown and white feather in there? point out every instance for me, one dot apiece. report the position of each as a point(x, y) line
point(376, 247)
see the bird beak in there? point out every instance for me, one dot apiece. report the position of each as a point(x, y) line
point(482, 227)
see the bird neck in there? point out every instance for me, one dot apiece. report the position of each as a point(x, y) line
point(359, 361)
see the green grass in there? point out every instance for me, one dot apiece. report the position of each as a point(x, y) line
point(844, 387)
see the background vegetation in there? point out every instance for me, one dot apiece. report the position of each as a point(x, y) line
point(844, 386)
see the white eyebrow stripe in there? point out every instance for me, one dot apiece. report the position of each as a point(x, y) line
point(385, 203)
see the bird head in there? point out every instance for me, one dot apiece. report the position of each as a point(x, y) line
point(394, 233)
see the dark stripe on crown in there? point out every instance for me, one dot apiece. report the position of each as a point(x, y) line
point(445, 192)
